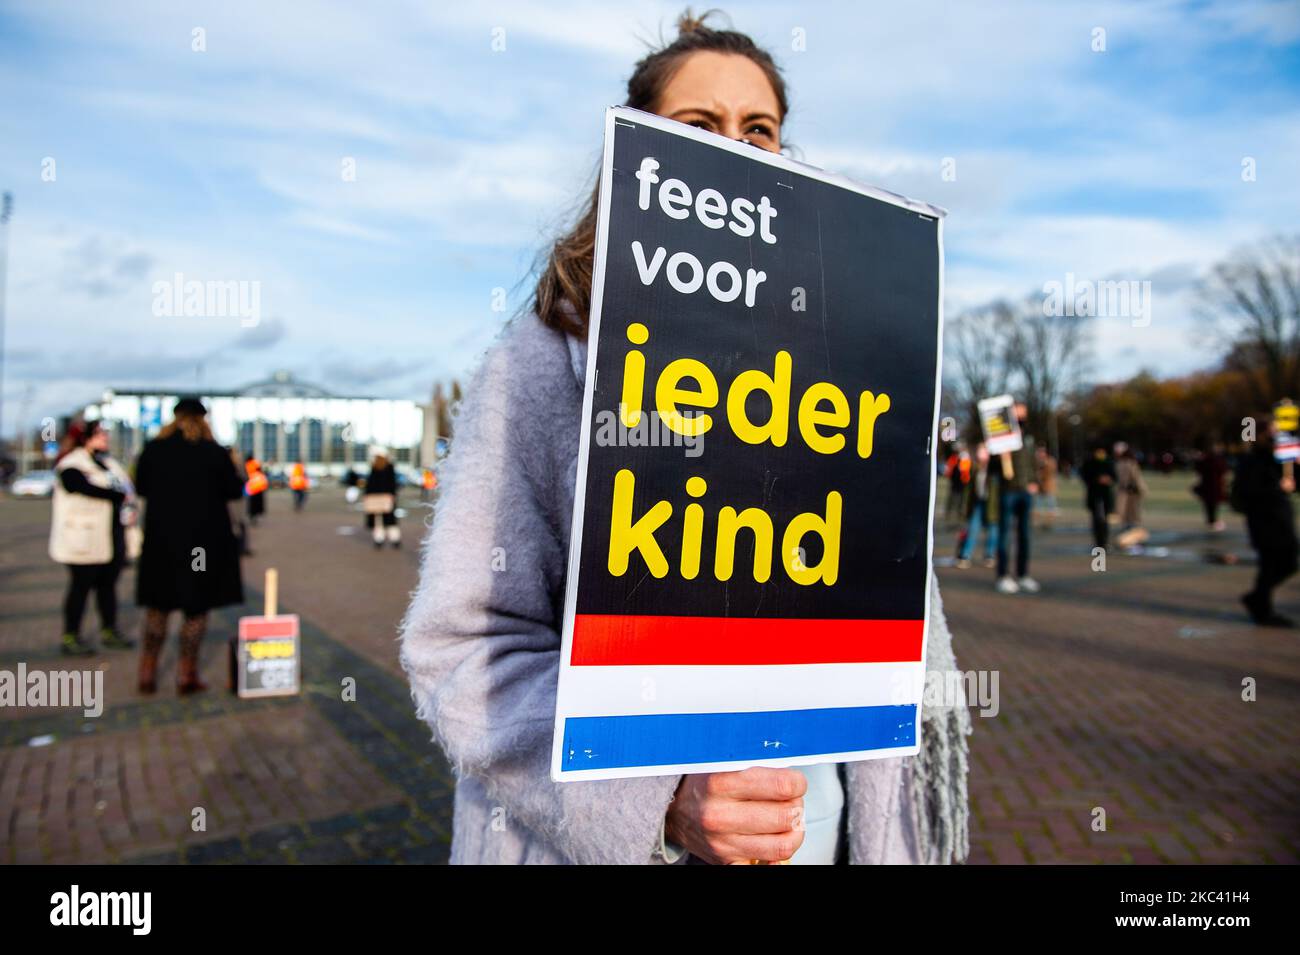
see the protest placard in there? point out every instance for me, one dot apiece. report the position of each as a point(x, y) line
point(265, 656)
point(749, 572)
point(1001, 429)
point(998, 422)
point(1286, 433)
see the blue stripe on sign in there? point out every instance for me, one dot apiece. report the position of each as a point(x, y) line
point(665, 739)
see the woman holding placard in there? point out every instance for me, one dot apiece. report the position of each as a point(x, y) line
point(481, 641)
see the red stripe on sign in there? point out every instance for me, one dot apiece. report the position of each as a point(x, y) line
point(619, 640)
point(257, 628)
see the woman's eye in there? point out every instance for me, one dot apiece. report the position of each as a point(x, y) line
point(702, 124)
point(760, 130)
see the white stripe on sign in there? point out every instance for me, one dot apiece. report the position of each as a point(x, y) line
point(625, 691)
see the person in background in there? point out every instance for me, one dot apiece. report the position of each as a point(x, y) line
point(255, 488)
point(1262, 492)
point(351, 482)
point(958, 474)
point(1212, 470)
point(380, 502)
point(299, 483)
point(1016, 504)
point(980, 510)
point(428, 484)
point(237, 509)
point(88, 535)
point(1047, 474)
point(1130, 486)
point(191, 558)
point(1098, 474)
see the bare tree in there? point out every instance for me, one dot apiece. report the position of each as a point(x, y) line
point(1048, 355)
point(977, 355)
point(1252, 302)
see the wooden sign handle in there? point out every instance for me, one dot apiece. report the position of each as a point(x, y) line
point(1007, 471)
point(272, 592)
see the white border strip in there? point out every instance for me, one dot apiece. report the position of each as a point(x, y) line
point(643, 690)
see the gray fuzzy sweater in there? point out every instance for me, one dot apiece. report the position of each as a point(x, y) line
point(481, 645)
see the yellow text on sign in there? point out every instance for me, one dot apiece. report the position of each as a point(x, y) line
point(270, 649)
point(823, 410)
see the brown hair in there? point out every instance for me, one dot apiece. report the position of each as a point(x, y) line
point(192, 427)
point(562, 299)
point(78, 433)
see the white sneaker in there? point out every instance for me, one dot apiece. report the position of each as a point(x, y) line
point(1029, 585)
point(1006, 585)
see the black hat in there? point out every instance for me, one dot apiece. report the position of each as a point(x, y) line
point(190, 406)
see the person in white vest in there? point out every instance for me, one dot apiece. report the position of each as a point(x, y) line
point(88, 533)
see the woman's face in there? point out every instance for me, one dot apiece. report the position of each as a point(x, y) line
point(97, 441)
point(726, 94)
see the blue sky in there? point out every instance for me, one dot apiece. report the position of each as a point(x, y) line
point(226, 164)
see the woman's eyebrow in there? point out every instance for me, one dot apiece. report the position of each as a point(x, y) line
point(761, 115)
point(708, 114)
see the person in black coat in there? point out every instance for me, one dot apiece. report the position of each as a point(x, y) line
point(190, 561)
point(380, 501)
point(1099, 479)
point(1262, 492)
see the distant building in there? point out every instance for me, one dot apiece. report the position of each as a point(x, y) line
point(281, 420)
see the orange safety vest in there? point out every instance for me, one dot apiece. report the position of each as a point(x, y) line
point(298, 478)
point(257, 482)
point(430, 480)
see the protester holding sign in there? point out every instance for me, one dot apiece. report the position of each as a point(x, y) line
point(482, 638)
point(1003, 421)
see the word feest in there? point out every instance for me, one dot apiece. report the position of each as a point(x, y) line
point(823, 407)
point(684, 272)
point(629, 533)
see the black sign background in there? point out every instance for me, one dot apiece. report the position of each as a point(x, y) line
point(870, 273)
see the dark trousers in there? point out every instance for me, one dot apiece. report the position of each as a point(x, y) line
point(1017, 506)
point(82, 579)
point(1211, 509)
point(977, 521)
point(1276, 564)
point(1100, 526)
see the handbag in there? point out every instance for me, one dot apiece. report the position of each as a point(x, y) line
point(378, 503)
point(134, 542)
